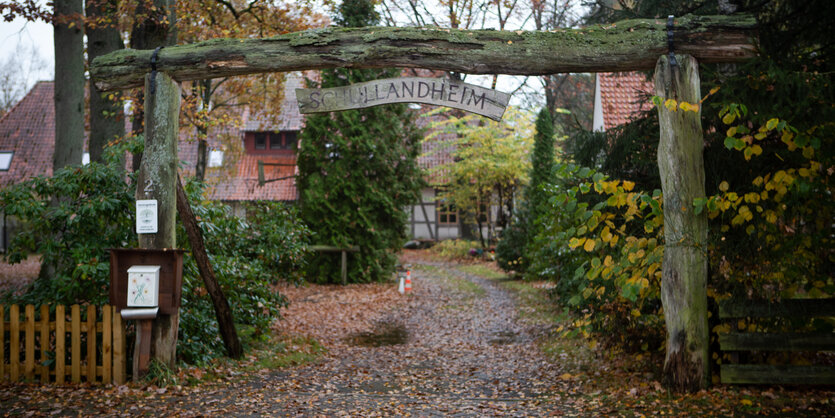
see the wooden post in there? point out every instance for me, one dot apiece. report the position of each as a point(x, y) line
point(684, 277)
point(157, 180)
point(119, 366)
point(29, 365)
point(141, 356)
point(44, 369)
point(14, 348)
point(2, 344)
point(75, 343)
point(344, 267)
point(106, 344)
point(91, 343)
point(60, 344)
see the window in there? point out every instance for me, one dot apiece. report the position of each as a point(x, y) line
point(290, 140)
point(279, 142)
point(215, 158)
point(283, 140)
point(6, 160)
point(447, 214)
point(261, 140)
point(275, 141)
point(483, 215)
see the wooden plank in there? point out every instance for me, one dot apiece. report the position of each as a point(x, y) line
point(333, 249)
point(44, 369)
point(119, 363)
point(795, 308)
point(60, 344)
point(769, 374)
point(29, 343)
point(75, 343)
point(91, 343)
point(143, 346)
point(106, 344)
point(426, 219)
point(2, 343)
point(344, 268)
point(432, 91)
point(14, 341)
point(625, 46)
point(777, 341)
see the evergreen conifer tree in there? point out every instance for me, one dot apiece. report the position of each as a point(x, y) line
point(511, 249)
point(358, 172)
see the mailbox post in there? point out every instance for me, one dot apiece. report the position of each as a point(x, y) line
point(144, 284)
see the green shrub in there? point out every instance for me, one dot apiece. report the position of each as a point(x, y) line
point(455, 249)
point(357, 171)
point(602, 243)
point(510, 250)
point(248, 256)
point(93, 210)
point(70, 220)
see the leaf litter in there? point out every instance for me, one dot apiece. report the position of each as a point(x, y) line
point(461, 344)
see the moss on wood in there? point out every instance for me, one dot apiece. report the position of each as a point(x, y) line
point(626, 45)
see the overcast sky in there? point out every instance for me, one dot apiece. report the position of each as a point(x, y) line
point(20, 34)
point(23, 35)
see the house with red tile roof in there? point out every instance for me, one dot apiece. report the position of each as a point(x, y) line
point(232, 171)
point(431, 219)
point(620, 98)
point(27, 144)
point(27, 140)
point(27, 136)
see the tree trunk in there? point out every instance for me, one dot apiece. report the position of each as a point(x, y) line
point(684, 279)
point(205, 93)
point(157, 179)
point(154, 27)
point(69, 83)
point(225, 320)
point(200, 165)
point(106, 115)
point(628, 45)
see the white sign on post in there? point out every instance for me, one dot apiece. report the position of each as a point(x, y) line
point(146, 216)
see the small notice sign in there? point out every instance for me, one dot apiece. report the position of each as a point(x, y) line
point(146, 216)
point(434, 91)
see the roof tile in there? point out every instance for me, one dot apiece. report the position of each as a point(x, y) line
point(624, 97)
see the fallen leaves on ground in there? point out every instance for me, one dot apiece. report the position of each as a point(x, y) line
point(464, 342)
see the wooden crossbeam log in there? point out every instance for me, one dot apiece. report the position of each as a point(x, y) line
point(622, 46)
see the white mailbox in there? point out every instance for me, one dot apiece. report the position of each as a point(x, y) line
point(143, 286)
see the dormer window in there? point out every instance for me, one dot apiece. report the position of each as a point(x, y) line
point(260, 140)
point(6, 160)
point(283, 142)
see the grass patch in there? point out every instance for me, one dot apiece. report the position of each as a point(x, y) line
point(467, 287)
point(455, 284)
point(483, 271)
point(287, 351)
point(454, 249)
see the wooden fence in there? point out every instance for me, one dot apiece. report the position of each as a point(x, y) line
point(791, 309)
point(35, 345)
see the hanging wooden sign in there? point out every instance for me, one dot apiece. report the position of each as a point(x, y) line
point(434, 91)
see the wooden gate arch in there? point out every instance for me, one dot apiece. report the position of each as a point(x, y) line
point(623, 46)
